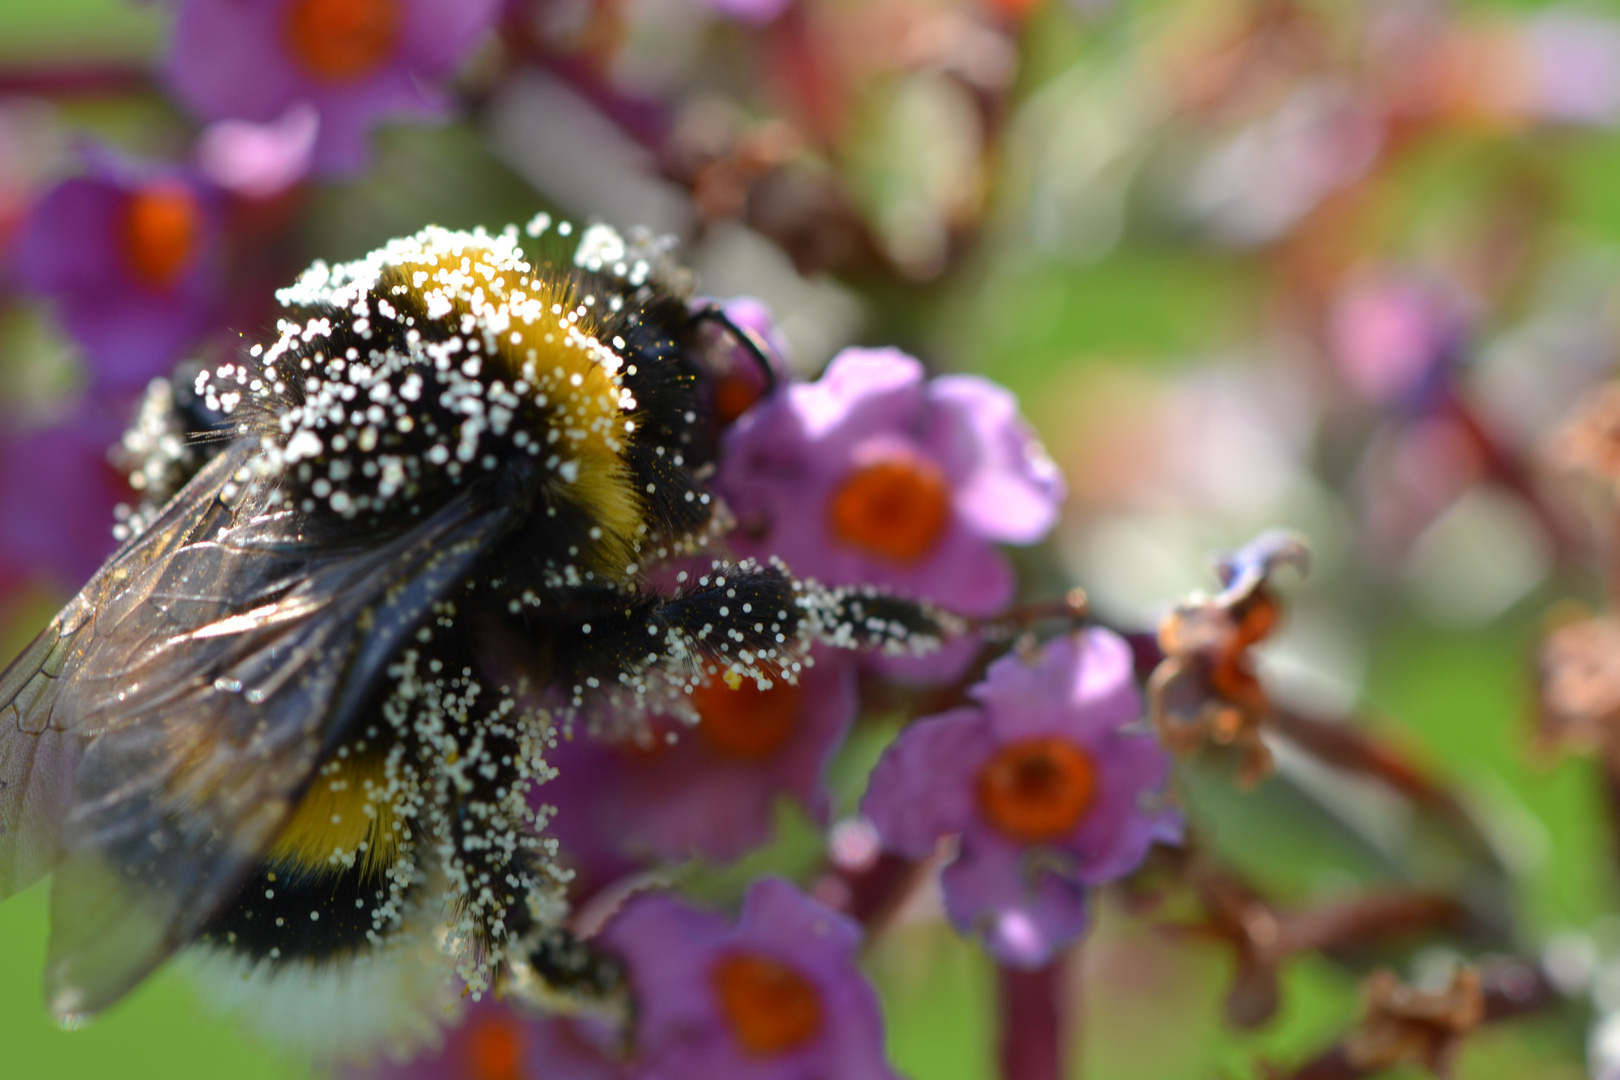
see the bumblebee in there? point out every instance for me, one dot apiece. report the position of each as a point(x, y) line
point(293, 727)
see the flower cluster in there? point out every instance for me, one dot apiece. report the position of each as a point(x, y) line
point(1047, 784)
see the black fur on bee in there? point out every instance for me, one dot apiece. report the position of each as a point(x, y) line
point(297, 718)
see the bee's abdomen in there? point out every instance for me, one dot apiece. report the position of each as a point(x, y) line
point(288, 914)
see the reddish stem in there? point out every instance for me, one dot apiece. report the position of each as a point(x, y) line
point(1345, 745)
point(877, 893)
point(1033, 1007)
point(74, 80)
point(1505, 467)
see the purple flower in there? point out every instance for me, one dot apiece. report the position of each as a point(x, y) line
point(1395, 333)
point(876, 475)
point(495, 1042)
point(1044, 786)
point(713, 791)
point(1575, 66)
point(353, 61)
point(57, 493)
point(755, 12)
point(130, 255)
point(259, 160)
point(776, 997)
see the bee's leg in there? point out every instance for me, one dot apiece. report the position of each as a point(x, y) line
point(479, 754)
point(753, 620)
point(556, 969)
point(577, 971)
point(864, 617)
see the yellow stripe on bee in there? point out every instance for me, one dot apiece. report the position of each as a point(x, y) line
point(345, 817)
point(536, 331)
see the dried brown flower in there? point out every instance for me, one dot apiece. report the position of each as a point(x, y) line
point(1578, 685)
point(1407, 1026)
point(1206, 690)
point(1589, 440)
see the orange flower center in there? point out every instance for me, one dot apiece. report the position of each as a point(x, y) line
point(493, 1049)
point(160, 232)
point(747, 723)
point(341, 40)
point(897, 508)
point(771, 1007)
point(1037, 789)
point(733, 396)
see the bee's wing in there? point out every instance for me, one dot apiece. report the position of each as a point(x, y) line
point(37, 763)
point(39, 747)
point(204, 679)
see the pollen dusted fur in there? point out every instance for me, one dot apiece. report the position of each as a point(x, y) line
point(445, 489)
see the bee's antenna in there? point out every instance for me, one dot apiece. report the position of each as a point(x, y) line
point(756, 346)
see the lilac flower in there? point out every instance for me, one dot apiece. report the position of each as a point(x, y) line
point(1575, 66)
point(44, 535)
point(875, 475)
point(353, 61)
point(775, 997)
point(495, 1042)
point(1395, 334)
point(755, 12)
point(259, 160)
point(1046, 789)
point(130, 255)
point(713, 791)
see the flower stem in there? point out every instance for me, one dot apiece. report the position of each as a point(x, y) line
point(1036, 1019)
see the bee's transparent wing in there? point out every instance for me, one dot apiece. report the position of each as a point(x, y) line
point(39, 747)
point(37, 763)
point(203, 686)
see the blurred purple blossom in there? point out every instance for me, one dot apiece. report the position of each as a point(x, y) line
point(130, 256)
point(1394, 332)
point(354, 62)
point(57, 494)
point(259, 160)
point(494, 1041)
point(756, 12)
point(1045, 787)
point(1575, 61)
point(875, 474)
point(778, 996)
point(714, 790)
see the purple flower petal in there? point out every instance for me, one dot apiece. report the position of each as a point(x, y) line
point(756, 12)
point(923, 786)
point(259, 160)
point(1010, 489)
point(1020, 876)
point(42, 533)
point(861, 393)
point(673, 954)
point(668, 945)
point(215, 41)
point(786, 463)
point(1082, 684)
point(490, 1034)
point(1025, 910)
point(691, 798)
point(1126, 817)
point(71, 252)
